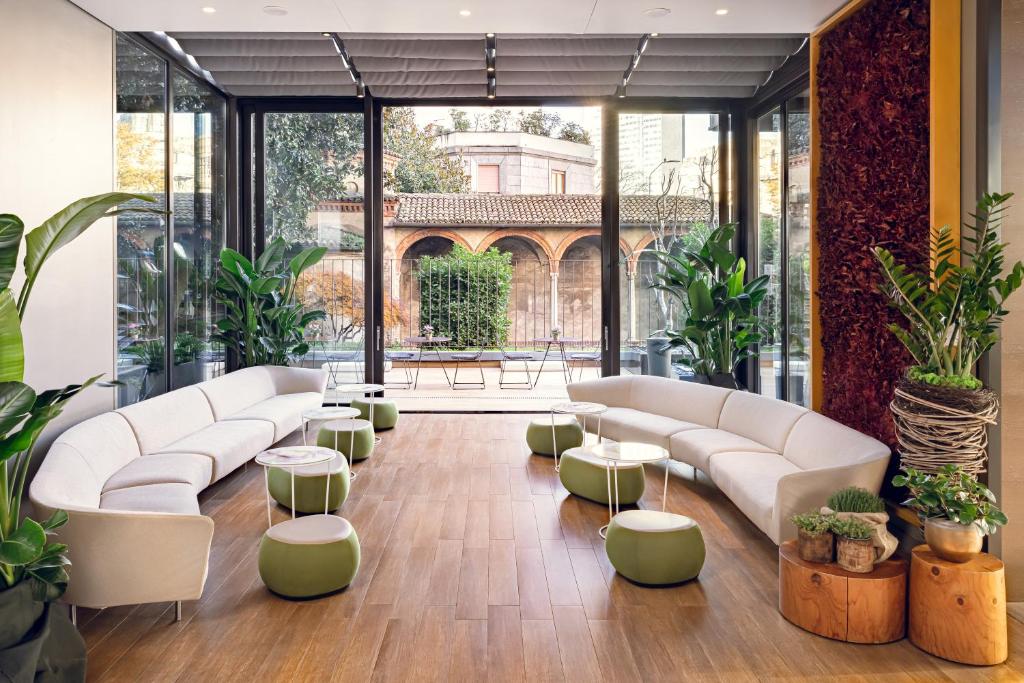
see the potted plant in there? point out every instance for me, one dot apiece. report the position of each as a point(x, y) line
point(815, 541)
point(428, 332)
point(854, 502)
point(958, 510)
point(719, 325)
point(36, 641)
point(952, 312)
point(556, 332)
point(854, 550)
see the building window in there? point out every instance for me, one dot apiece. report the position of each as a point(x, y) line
point(487, 177)
point(558, 182)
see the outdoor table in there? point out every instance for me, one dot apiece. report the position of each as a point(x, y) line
point(428, 344)
point(560, 342)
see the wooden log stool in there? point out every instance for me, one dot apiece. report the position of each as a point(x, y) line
point(958, 611)
point(832, 602)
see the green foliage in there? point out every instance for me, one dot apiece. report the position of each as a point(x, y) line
point(264, 322)
point(460, 121)
point(953, 312)
point(851, 528)
point(813, 523)
point(919, 374)
point(719, 325)
point(855, 499)
point(574, 132)
point(187, 347)
point(951, 493)
point(422, 166)
point(538, 122)
point(465, 296)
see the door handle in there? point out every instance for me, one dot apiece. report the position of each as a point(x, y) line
point(378, 337)
point(605, 337)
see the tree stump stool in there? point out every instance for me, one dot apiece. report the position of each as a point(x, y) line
point(832, 602)
point(958, 611)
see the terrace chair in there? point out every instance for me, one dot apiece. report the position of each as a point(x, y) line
point(461, 357)
point(404, 357)
point(577, 359)
point(515, 356)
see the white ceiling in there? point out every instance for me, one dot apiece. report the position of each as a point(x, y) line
point(442, 16)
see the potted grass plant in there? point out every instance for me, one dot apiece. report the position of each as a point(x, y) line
point(815, 541)
point(855, 551)
point(951, 313)
point(854, 502)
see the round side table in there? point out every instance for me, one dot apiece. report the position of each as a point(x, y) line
point(363, 389)
point(615, 454)
point(332, 413)
point(290, 457)
point(576, 408)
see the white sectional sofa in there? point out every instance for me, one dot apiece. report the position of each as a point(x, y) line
point(771, 458)
point(129, 480)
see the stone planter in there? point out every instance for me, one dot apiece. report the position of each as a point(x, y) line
point(819, 548)
point(855, 555)
point(951, 540)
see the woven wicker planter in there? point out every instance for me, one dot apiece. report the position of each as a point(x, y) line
point(938, 426)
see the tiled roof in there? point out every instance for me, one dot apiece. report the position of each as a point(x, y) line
point(542, 209)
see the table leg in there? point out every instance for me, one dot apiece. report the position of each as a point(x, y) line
point(543, 360)
point(352, 451)
point(327, 488)
point(419, 362)
point(664, 492)
point(565, 364)
point(440, 361)
point(554, 441)
point(266, 479)
point(293, 491)
point(603, 531)
point(376, 439)
point(616, 468)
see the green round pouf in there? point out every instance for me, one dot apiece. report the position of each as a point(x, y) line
point(385, 412)
point(568, 433)
point(310, 482)
point(655, 548)
point(587, 476)
point(343, 430)
point(309, 556)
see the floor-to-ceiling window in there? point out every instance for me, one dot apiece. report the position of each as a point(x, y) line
point(169, 137)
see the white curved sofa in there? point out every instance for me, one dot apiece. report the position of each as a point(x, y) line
point(129, 480)
point(773, 459)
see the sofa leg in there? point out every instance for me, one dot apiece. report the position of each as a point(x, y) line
point(177, 610)
point(73, 614)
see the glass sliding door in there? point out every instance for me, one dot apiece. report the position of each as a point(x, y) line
point(769, 249)
point(798, 249)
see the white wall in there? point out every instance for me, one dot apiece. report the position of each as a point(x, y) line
point(56, 145)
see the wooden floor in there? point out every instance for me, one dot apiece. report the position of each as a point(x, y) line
point(477, 565)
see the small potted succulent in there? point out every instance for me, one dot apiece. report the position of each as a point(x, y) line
point(815, 541)
point(855, 551)
point(854, 502)
point(428, 332)
point(958, 510)
point(556, 332)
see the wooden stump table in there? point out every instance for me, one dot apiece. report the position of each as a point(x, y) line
point(832, 602)
point(958, 611)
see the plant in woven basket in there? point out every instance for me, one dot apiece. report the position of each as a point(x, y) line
point(854, 549)
point(952, 314)
point(815, 542)
point(851, 528)
point(855, 499)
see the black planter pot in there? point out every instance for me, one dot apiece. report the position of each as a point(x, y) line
point(722, 379)
point(37, 641)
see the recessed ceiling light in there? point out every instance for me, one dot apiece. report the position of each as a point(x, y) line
point(655, 35)
point(490, 35)
point(721, 12)
point(490, 68)
point(275, 10)
point(326, 34)
point(657, 12)
point(464, 12)
point(209, 10)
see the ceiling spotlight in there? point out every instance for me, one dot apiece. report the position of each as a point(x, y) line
point(490, 97)
point(655, 35)
point(489, 35)
point(490, 68)
point(464, 12)
point(209, 10)
point(275, 10)
point(326, 34)
point(721, 12)
point(657, 12)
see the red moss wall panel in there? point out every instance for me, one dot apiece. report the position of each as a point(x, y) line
point(873, 188)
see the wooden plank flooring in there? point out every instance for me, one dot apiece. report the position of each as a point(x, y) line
point(477, 565)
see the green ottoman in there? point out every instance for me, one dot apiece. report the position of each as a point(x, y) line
point(568, 433)
point(363, 445)
point(655, 548)
point(385, 412)
point(309, 556)
point(310, 482)
point(587, 477)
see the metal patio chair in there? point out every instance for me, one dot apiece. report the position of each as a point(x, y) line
point(468, 356)
point(577, 360)
point(403, 357)
point(515, 356)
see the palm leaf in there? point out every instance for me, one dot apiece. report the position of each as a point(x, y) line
point(11, 231)
point(12, 350)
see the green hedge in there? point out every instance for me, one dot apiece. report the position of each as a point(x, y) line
point(465, 296)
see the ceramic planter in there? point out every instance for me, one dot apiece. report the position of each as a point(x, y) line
point(855, 555)
point(819, 548)
point(951, 540)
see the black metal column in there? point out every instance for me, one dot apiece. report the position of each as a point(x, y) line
point(610, 313)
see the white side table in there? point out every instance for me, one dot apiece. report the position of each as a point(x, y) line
point(576, 408)
point(615, 454)
point(363, 389)
point(334, 413)
point(290, 457)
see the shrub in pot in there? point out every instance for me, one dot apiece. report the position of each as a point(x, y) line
point(815, 541)
point(854, 550)
point(952, 312)
point(854, 502)
point(958, 511)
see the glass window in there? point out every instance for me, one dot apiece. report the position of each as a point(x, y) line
point(769, 248)
point(488, 178)
point(199, 191)
point(558, 182)
point(798, 247)
point(140, 138)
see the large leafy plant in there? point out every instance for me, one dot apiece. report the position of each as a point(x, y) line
point(26, 550)
point(954, 494)
point(264, 321)
point(953, 309)
point(719, 325)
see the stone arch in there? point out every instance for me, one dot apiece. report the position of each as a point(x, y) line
point(582, 233)
point(638, 249)
point(530, 235)
point(450, 235)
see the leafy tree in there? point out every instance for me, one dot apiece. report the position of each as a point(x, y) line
point(140, 162)
point(341, 296)
point(422, 165)
point(499, 119)
point(460, 121)
point(574, 132)
point(538, 122)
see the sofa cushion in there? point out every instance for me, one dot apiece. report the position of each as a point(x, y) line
point(627, 424)
point(767, 421)
point(173, 468)
point(65, 479)
point(817, 441)
point(283, 412)
point(106, 442)
point(696, 446)
point(177, 498)
point(236, 391)
point(164, 419)
point(687, 401)
point(750, 481)
point(230, 444)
